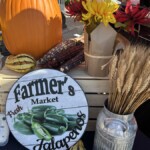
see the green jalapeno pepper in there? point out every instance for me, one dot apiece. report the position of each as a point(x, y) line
point(70, 117)
point(54, 111)
point(36, 109)
point(54, 129)
point(28, 118)
point(23, 128)
point(40, 131)
point(71, 125)
point(39, 111)
point(60, 111)
point(20, 116)
point(55, 118)
point(24, 117)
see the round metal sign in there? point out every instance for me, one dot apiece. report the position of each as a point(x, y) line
point(46, 110)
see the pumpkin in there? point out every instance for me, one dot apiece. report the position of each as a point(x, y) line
point(30, 26)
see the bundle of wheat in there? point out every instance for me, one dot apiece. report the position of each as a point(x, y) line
point(129, 79)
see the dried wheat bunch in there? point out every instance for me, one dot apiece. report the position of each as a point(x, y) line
point(129, 76)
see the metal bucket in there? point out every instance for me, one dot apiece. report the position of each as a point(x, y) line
point(114, 132)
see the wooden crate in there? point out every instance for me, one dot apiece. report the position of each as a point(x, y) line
point(95, 88)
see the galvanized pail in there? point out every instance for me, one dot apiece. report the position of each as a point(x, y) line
point(114, 132)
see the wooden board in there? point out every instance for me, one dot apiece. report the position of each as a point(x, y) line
point(96, 99)
point(96, 89)
point(91, 125)
point(53, 97)
point(93, 99)
point(89, 86)
point(93, 112)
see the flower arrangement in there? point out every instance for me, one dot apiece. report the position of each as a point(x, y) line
point(130, 15)
point(129, 79)
point(103, 19)
point(94, 12)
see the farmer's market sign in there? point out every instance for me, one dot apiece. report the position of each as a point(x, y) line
point(46, 110)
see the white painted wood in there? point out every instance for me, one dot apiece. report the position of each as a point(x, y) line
point(93, 99)
point(93, 111)
point(96, 99)
point(2, 108)
point(80, 72)
point(90, 86)
point(2, 101)
point(6, 84)
point(9, 74)
point(63, 93)
point(3, 96)
point(94, 86)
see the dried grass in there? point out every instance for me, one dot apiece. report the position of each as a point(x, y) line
point(113, 67)
point(129, 79)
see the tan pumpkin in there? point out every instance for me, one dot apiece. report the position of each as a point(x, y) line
point(30, 26)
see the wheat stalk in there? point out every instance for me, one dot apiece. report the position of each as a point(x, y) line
point(112, 76)
point(146, 70)
point(126, 90)
point(145, 85)
point(130, 79)
point(112, 95)
point(137, 85)
point(144, 97)
point(113, 67)
point(122, 71)
point(141, 91)
point(130, 57)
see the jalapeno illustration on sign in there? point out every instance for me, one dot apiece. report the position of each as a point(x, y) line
point(47, 110)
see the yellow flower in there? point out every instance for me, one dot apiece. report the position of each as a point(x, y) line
point(99, 11)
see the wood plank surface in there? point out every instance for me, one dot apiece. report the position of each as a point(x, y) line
point(2, 101)
point(94, 86)
point(93, 112)
point(91, 125)
point(96, 99)
point(93, 99)
point(78, 72)
point(6, 84)
point(88, 86)
point(9, 74)
point(2, 108)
